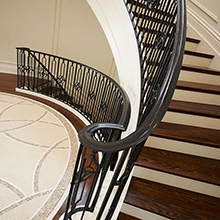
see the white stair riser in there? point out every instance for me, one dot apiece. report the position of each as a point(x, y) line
point(177, 181)
point(140, 213)
point(192, 120)
point(199, 77)
point(196, 61)
point(191, 46)
point(197, 97)
point(183, 147)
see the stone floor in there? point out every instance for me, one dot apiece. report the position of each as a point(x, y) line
point(38, 147)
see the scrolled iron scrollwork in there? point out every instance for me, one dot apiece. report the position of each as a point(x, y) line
point(92, 95)
point(25, 69)
point(89, 170)
point(160, 40)
point(77, 86)
point(103, 106)
point(155, 94)
point(42, 72)
point(152, 3)
point(61, 79)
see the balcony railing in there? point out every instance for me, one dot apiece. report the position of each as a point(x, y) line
point(160, 29)
point(97, 97)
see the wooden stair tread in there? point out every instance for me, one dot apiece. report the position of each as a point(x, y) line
point(123, 216)
point(186, 133)
point(198, 87)
point(193, 40)
point(171, 202)
point(199, 54)
point(194, 167)
point(200, 69)
point(200, 109)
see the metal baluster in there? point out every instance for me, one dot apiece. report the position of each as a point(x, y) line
point(82, 76)
point(70, 82)
point(65, 77)
point(18, 66)
point(72, 183)
point(95, 80)
point(112, 183)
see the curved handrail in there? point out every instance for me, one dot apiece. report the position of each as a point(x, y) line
point(160, 29)
point(161, 58)
point(160, 106)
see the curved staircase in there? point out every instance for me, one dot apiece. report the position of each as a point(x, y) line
point(177, 175)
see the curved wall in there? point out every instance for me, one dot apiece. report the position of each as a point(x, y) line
point(118, 29)
point(69, 28)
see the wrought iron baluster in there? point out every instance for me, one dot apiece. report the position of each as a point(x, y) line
point(108, 100)
point(66, 79)
point(88, 95)
point(104, 165)
point(96, 80)
point(72, 183)
point(155, 66)
point(107, 157)
point(56, 73)
point(18, 63)
point(76, 84)
point(70, 82)
point(113, 183)
point(83, 86)
point(34, 70)
point(23, 57)
point(48, 76)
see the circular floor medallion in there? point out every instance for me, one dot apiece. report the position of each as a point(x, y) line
point(38, 150)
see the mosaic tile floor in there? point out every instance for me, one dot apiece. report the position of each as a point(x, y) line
point(38, 147)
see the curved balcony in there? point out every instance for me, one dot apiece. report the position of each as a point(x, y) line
point(160, 30)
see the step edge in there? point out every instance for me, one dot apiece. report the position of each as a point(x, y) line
point(185, 85)
point(142, 213)
point(193, 40)
point(190, 112)
point(199, 54)
point(183, 139)
point(200, 69)
point(180, 175)
point(179, 182)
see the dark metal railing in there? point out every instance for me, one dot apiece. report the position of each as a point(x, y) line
point(156, 25)
point(95, 96)
point(160, 29)
point(92, 93)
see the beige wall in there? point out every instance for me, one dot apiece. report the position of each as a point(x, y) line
point(204, 22)
point(208, 11)
point(67, 28)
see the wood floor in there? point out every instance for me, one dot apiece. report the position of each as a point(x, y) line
point(8, 84)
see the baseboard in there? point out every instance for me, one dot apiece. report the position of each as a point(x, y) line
point(8, 67)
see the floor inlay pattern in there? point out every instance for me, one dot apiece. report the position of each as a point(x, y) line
point(38, 148)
